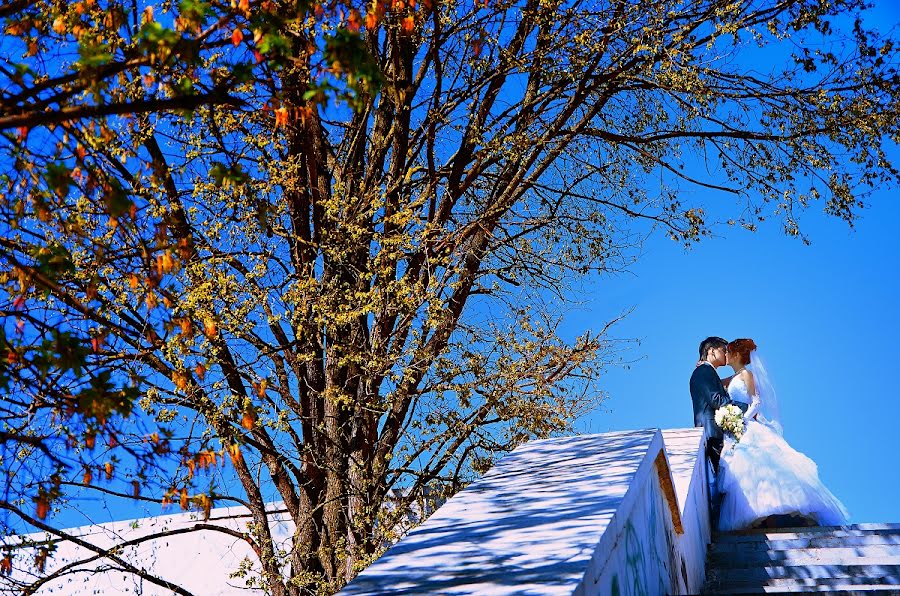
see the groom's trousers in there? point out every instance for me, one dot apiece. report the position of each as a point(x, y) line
point(714, 454)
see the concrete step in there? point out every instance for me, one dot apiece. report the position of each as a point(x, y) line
point(806, 587)
point(853, 559)
point(849, 589)
point(879, 554)
point(819, 541)
point(886, 574)
point(805, 533)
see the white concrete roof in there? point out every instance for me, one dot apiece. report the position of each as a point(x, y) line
point(530, 526)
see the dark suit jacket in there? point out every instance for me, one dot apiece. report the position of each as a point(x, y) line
point(708, 395)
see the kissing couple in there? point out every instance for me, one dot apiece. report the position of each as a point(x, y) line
point(760, 480)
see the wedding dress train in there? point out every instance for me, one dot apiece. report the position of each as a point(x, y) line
point(762, 475)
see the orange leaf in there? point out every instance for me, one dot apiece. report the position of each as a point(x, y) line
point(184, 499)
point(88, 476)
point(184, 249)
point(180, 379)
point(40, 559)
point(108, 468)
point(408, 24)
point(200, 370)
point(234, 452)
point(237, 36)
point(135, 488)
point(206, 458)
point(249, 419)
point(42, 505)
point(371, 21)
point(165, 263)
point(210, 329)
point(281, 117)
point(90, 439)
point(205, 504)
point(354, 21)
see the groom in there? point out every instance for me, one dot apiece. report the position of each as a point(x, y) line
point(708, 395)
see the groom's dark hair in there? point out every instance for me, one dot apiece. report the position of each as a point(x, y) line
point(711, 343)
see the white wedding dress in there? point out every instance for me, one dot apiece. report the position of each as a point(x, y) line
point(762, 475)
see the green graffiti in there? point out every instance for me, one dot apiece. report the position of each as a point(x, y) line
point(651, 554)
point(657, 503)
point(634, 561)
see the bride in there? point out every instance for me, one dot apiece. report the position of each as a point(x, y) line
point(762, 476)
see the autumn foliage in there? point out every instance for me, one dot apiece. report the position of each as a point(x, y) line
point(322, 252)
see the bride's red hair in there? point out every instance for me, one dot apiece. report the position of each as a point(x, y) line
point(743, 347)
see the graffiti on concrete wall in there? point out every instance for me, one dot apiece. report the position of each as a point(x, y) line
point(650, 562)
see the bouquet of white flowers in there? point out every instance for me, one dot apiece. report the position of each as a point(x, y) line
point(731, 420)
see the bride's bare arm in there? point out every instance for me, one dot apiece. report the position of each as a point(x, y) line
point(748, 380)
point(751, 390)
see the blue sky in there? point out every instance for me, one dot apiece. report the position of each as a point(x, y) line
point(825, 318)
